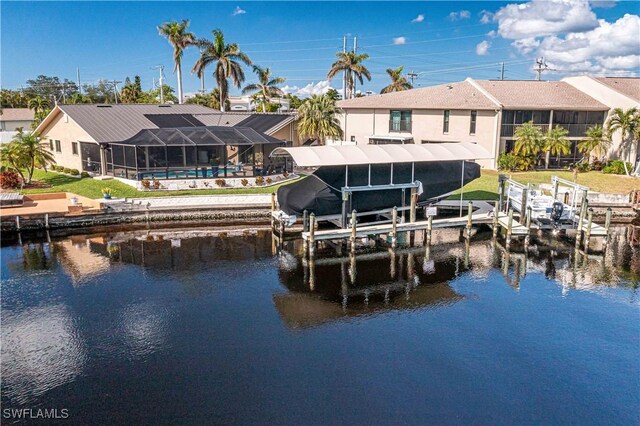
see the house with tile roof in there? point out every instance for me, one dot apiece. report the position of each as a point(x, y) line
point(163, 141)
point(485, 112)
point(12, 120)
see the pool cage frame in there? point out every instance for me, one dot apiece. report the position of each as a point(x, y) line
point(193, 152)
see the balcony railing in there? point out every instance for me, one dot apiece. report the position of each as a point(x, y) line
point(575, 130)
point(400, 126)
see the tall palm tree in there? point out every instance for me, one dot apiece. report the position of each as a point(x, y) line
point(398, 81)
point(38, 104)
point(318, 119)
point(179, 36)
point(628, 124)
point(596, 142)
point(35, 152)
point(529, 140)
point(351, 62)
point(556, 143)
point(267, 86)
point(228, 59)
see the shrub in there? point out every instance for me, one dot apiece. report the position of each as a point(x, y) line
point(85, 175)
point(582, 166)
point(244, 182)
point(259, 180)
point(269, 181)
point(74, 172)
point(107, 191)
point(58, 168)
point(597, 165)
point(615, 167)
point(146, 183)
point(9, 180)
point(66, 170)
point(221, 182)
point(156, 184)
point(508, 162)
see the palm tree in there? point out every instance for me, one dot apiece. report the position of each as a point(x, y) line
point(556, 143)
point(596, 142)
point(179, 36)
point(529, 140)
point(318, 119)
point(79, 98)
point(11, 156)
point(40, 107)
point(35, 152)
point(227, 58)
point(398, 81)
point(351, 62)
point(628, 124)
point(267, 86)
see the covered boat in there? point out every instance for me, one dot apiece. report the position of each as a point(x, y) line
point(375, 177)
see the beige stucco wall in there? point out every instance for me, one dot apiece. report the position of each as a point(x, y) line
point(427, 125)
point(12, 126)
point(611, 98)
point(64, 129)
point(288, 133)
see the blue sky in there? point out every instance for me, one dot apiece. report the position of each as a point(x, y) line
point(298, 40)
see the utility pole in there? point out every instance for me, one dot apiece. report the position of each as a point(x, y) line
point(542, 67)
point(78, 74)
point(115, 89)
point(160, 81)
point(64, 93)
point(502, 71)
point(355, 50)
point(412, 75)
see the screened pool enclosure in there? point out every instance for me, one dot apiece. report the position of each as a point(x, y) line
point(193, 152)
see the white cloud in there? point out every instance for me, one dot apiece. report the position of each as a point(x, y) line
point(492, 34)
point(603, 4)
point(482, 48)
point(238, 11)
point(418, 19)
point(463, 14)
point(486, 17)
point(308, 90)
point(526, 45)
point(544, 17)
point(399, 40)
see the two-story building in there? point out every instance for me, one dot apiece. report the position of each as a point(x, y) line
point(485, 112)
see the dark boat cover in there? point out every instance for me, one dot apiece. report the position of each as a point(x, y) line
point(319, 193)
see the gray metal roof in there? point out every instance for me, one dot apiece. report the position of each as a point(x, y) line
point(200, 136)
point(111, 123)
point(267, 123)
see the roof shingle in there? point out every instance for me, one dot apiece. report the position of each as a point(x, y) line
point(628, 86)
point(16, 114)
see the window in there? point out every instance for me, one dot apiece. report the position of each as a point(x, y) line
point(472, 126)
point(400, 121)
point(353, 138)
point(74, 148)
point(445, 123)
point(51, 144)
point(58, 148)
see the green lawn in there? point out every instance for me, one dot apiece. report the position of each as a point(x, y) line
point(483, 188)
point(92, 188)
point(486, 186)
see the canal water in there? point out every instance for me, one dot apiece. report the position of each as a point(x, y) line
point(192, 326)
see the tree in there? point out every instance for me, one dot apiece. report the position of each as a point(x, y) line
point(131, 92)
point(211, 100)
point(529, 140)
point(596, 143)
point(333, 94)
point(79, 98)
point(294, 101)
point(179, 36)
point(351, 62)
point(153, 95)
point(13, 99)
point(267, 86)
point(398, 81)
point(46, 87)
point(318, 119)
point(228, 59)
point(556, 143)
point(40, 107)
point(99, 93)
point(628, 124)
point(26, 151)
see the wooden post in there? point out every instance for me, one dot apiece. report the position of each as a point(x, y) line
point(607, 224)
point(509, 226)
point(501, 179)
point(17, 223)
point(394, 227)
point(273, 209)
point(353, 230)
point(469, 218)
point(312, 234)
point(581, 218)
point(555, 190)
point(427, 241)
point(523, 203)
point(588, 233)
point(305, 221)
point(46, 220)
point(496, 213)
point(528, 225)
point(414, 203)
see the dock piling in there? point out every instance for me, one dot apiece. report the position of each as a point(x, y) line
point(509, 226)
point(17, 223)
point(414, 203)
point(581, 218)
point(354, 218)
point(46, 220)
point(496, 213)
point(588, 232)
point(305, 221)
point(607, 224)
point(528, 225)
point(312, 234)
point(469, 218)
point(394, 227)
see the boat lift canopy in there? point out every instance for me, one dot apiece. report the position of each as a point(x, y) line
point(318, 156)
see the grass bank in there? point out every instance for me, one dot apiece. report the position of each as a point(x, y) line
point(92, 188)
point(486, 186)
